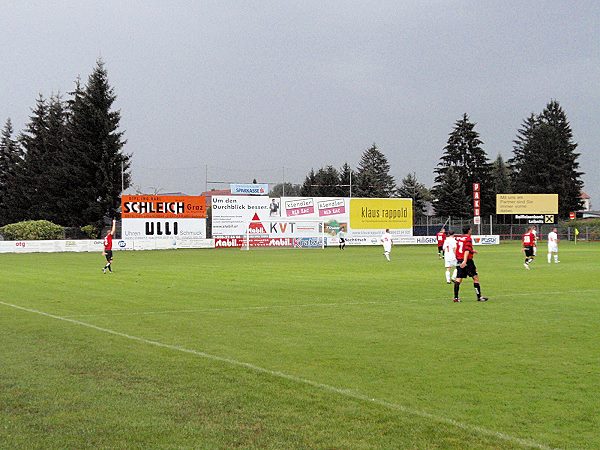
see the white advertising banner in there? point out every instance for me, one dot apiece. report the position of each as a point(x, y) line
point(51, 246)
point(163, 228)
point(249, 189)
point(231, 214)
point(486, 239)
point(97, 245)
point(412, 240)
point(162, 244)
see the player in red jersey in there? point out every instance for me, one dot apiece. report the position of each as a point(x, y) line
point(529, 246)
point(441, 238)
point(107, 252)
point(466, 265)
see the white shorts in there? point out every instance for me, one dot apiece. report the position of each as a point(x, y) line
point(553, 248)
point(450, 261)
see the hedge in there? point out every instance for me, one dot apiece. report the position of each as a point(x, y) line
point(32, 230)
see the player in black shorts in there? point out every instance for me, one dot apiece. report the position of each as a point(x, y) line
point(466, 266)
point(470, 270)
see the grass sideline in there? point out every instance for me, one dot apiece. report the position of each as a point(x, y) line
point(299, 349)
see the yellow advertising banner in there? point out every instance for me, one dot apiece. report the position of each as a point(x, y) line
point(381, 213)
point(526, 203)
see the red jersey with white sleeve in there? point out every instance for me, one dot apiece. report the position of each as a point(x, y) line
point(441, 237)
point(108, 242)
point(464, 243)
point(528, 239)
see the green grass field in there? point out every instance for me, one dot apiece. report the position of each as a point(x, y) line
point(282, 349)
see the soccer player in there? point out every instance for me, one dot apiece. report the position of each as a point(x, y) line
point(450, 256)
point(466, 265)
point(441, 237)
point(553, 246)
point(107, 252)
point(528, 247)
point(535, 239)
point(342, 238)
point(386, 240)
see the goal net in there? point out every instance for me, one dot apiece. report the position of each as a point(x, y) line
point(285, 233)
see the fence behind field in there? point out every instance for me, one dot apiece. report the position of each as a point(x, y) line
point(429, 226)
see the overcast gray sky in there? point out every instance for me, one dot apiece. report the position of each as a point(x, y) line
point(270, 89)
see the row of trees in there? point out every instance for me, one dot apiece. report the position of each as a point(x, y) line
point(371, 179)
point(544, 161)
point(67, 166)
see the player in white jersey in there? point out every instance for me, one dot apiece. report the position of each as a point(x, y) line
point(553, 246)
point(386, 241)
point(534, 231)
point(450, 256)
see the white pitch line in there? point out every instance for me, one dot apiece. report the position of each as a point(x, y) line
point(302, 305)
point(240, 308)
point(529, 443)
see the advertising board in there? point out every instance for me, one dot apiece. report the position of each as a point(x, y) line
point(249, 189)
point(159, 217)
point(381, 213)
point(526, 203)
point(361, 220)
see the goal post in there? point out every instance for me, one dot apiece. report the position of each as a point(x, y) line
point(285, 233)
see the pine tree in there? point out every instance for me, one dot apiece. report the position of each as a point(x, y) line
point(44, 174)
point(95, 148)
point(347, 177)
point(500, 178)
point(523, 136)
point(80, 190)
point(545, 160)
point(10, 165)
point(500, 174)
point(411, 188)
point(569, 185)
point(32, 176)
point(308, 187)
point(373, 178)
point(464, 153)
point(54, 177)
point(327, 180)
point(449, 195)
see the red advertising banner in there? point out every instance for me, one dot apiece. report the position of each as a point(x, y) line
point(476, 199)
